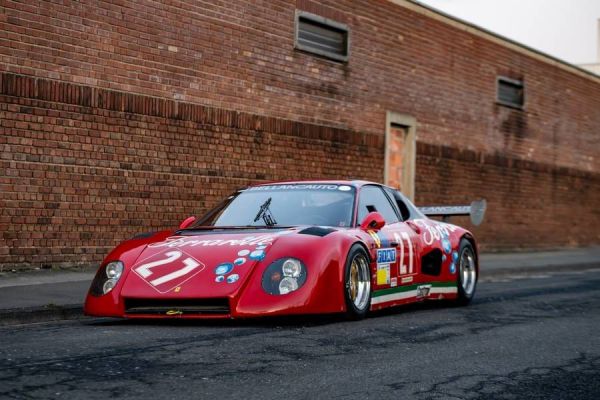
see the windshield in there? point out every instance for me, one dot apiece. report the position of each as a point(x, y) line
point(285, 205)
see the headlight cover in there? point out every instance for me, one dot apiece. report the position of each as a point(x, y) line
point(284, 276)
point(106, 278)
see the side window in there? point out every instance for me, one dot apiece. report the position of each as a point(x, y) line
point(397, 203)
point(407, 209)
point(371, 199)
point(404, 211)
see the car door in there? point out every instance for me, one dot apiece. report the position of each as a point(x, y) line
point(407, 241)
point(395, 254)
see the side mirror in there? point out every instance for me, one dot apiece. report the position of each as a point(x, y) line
point(187, 222)
point(373, 221)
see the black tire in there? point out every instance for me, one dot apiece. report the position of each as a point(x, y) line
point(357, 307)
point(466, 281)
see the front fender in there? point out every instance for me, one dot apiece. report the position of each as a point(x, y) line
point(323, 291)
point(127, 252)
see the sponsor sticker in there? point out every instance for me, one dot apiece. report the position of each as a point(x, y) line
point(394, 282)
point(407, 279)
point(181, 242)
point(294, 187)
point(383, 274)
point(375, 238)
point(423, 291)
point(386, 256)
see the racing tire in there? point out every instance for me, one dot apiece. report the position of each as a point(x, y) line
point(357, 283)
point(468, 273)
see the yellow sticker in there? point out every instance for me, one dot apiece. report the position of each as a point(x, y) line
point(174, 312)
point(177, 289)
point(383, 274)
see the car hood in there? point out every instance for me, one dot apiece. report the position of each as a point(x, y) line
point(199, 264)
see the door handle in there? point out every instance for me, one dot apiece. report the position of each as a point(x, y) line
point(414, 227)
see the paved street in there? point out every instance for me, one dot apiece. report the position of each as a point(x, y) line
point(535, 338)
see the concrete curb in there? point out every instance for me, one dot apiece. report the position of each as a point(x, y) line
point(49, 313)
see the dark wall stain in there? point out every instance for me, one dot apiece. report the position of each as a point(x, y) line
point(515, 123)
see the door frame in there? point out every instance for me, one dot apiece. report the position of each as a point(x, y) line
point(410, 150)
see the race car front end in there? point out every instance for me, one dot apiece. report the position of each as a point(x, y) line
point(237, 275)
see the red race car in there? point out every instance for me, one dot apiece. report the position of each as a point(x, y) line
point(292, 248)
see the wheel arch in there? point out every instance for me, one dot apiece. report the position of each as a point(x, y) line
point(365, 248)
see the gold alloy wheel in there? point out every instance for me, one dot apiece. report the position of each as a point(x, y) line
point(359, 282)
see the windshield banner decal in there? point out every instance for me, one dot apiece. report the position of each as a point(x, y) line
point(294, 187)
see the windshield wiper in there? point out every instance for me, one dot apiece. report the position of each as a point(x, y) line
point(265, 213)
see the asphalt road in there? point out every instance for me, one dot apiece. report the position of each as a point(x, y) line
point(534, 338)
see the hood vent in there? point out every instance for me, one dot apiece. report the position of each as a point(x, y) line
point(317, 231)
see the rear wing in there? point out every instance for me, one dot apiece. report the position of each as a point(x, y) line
point(476, 210)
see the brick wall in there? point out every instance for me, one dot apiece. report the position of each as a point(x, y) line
point(530, 204)
point(132, 113)
point(83, 169)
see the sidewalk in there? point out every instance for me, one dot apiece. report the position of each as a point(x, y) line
point(55, 295)
point(540, 261)
point(35, 296)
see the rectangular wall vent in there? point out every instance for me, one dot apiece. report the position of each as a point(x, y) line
point(321, 36)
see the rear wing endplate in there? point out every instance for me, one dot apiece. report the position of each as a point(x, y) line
point(476, 210)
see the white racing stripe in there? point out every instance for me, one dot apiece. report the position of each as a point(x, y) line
point(411, 293)
point(451, 289)
point(393, 296)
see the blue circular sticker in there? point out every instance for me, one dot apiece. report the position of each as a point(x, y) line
point(443, 257)
point(452, 268)
point(219, 278)
point(233, 278)
point(446, 245)
point(224, 268)
point(454, 256)
point(244, 252)
point(257, 255)
point(239, 261)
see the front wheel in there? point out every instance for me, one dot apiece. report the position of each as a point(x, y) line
point(357, 283)
point(467, 273)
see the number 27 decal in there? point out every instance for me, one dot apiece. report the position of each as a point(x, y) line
point(404, 269)
point(176, 273)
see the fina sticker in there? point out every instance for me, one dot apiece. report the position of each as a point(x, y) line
point(383, 274)
point(408, 279)
point(394, 282)
point(386, 256)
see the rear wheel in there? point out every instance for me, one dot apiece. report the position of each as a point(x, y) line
point(467, 273)
point(357, 282)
